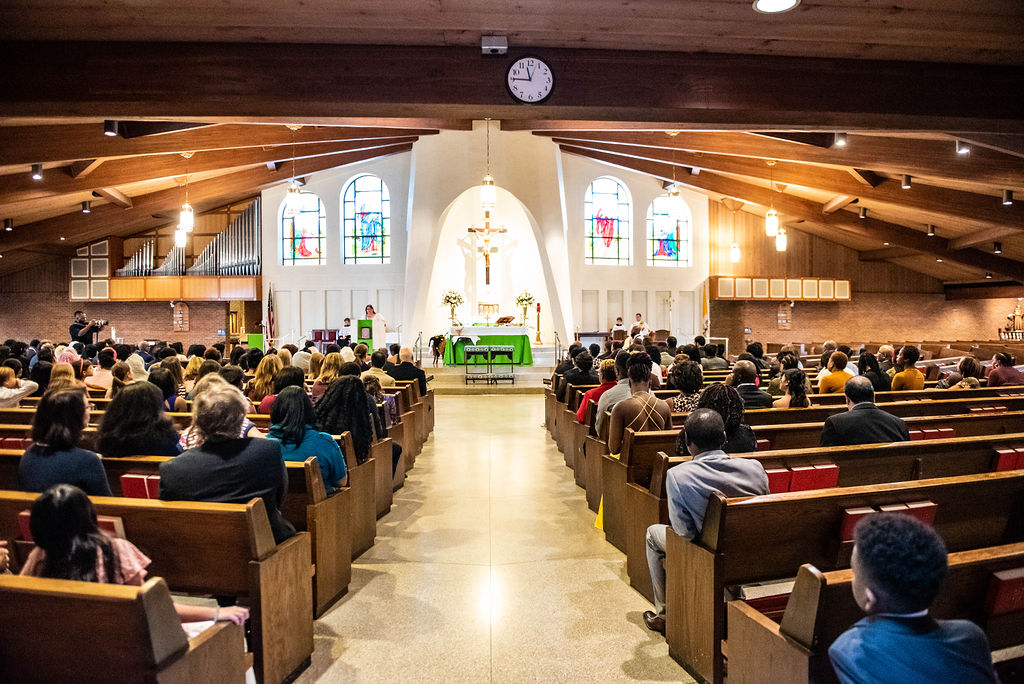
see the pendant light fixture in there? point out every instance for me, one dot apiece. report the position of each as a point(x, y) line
point(187, 217)
point(771, 219)
point(488, 193)
point(293, 204)
point(781, 241)
point(733, 206)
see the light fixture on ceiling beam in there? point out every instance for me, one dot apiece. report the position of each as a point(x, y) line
point(110, 128)
point(771, 219)
point(87, 207)
point(988, 276)
point(8, 225)
point(62, 238)
point(862, 212)
point(938, 259)
point(734, 253)
point(997, 247)
point(839, 140)
point(962, 148)
point(37, 172)
point(780, 241)
point(293, 201)
point(187, 217)
point(774, 6)
point(931, 230)
point(1007, 197)
point(905, 181)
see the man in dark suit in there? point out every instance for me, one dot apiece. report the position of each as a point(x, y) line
point(227, 468)
point(898, 566)
point(405, 370)
point(863, 423)
point(743, 374)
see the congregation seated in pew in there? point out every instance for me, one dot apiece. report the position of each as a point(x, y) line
point(744, 375)
point(689, 484)
point(134, 424)
point(1003, 372)
point(582, 373)
point(864, 422)
point(793, 384)
point(226, 467)
point(727, 403)
point(910, 378)
point(70, 545)
point(55, 457)
point(641, 410)
point(898, 567)
point(688, 378)
point(835, 376)
point(289, 376)
point(292, 420)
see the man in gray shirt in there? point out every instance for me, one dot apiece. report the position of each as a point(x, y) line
point(688, 486)
point(616, 394)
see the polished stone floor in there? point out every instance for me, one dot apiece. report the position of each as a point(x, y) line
point(488, 568)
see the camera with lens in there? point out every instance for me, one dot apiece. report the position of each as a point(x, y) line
point(102, 323)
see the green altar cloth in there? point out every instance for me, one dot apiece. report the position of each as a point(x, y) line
point(522, 356)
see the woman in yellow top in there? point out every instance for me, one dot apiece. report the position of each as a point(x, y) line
point(835, 381)
point(910, 378)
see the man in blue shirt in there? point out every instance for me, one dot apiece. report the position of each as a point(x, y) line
point(898, 566)
point(688, 487)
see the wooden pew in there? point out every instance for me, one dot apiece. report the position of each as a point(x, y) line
point(638, 452)
point(646, 503)
point(223, 550)
point(383, 487)
point(883, 397)
point(62, 631)
point(821, 607)
point(362, 478)
point(328, 519)
point(951, 405)
point(764, 538)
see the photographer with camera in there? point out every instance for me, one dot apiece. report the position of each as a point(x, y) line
point(83, 331)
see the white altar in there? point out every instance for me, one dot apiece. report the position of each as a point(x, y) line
point(475, 332)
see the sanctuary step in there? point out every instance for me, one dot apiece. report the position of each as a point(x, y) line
point(528, 379)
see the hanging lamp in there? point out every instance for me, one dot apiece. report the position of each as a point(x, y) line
point(771, 219)
point(293, 202)
point(781, 241)
point(187, 217)
point(488, 193)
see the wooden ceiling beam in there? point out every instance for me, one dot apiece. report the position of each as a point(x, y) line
point(81, 168)
point(934, 159)
point(116, 172)
point(39, 144)
point(114, 196)
point(933, 202)
point(886, 253)
point(138, 129)
point(1007, 144)
point(202, 80)
point(980, 236)
point(796, 207)
point(822, 140)
point(868, 178)
point(207, 194)
point(837, 203)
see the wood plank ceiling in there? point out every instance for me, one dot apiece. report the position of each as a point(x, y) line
point(687, 104)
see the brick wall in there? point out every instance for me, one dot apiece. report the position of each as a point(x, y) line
point(869, 317)
point(34, 304)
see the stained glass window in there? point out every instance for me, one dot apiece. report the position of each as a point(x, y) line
point(607, 210)
point(366, 220)
point(303, 227)
point(668, 232)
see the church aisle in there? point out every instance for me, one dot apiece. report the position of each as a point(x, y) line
point(488, 568)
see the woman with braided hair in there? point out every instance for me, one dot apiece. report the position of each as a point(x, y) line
point(726, 401)
point(344, 407)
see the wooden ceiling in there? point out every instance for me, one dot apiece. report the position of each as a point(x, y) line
point(665, 87)
point(137, 183)
point(820, 188)
point(980, 31)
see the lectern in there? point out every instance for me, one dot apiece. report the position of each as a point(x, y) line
point(364, 333)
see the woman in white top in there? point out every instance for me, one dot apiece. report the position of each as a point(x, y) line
point(12, 389)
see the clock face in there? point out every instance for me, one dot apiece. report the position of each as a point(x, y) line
point(529, 80)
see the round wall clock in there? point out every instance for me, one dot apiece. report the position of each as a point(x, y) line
point(530, 80)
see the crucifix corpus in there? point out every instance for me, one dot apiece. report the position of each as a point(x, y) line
point(486, 249)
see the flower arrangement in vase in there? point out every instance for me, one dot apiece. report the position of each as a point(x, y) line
point(523, 300)
point(452, 299)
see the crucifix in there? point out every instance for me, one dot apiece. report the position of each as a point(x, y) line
point(487, 250)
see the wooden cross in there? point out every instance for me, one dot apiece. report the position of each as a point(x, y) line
point(487, 232)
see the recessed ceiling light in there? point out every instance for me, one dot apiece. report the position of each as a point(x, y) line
point(1007, 197)
point(37, 172)
point(774, 6)
point(938, 260)
point(988, 276)
point(62, 238)
point(962, 148)
point(839, 140)
point(905, 181)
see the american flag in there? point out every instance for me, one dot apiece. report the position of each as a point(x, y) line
point(270, 315)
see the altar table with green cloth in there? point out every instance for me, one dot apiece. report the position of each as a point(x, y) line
point(516, 336)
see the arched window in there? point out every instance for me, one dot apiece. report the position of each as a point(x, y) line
point(303, 229)
point(607, 210)
point(668, 232)
point(366, 221)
